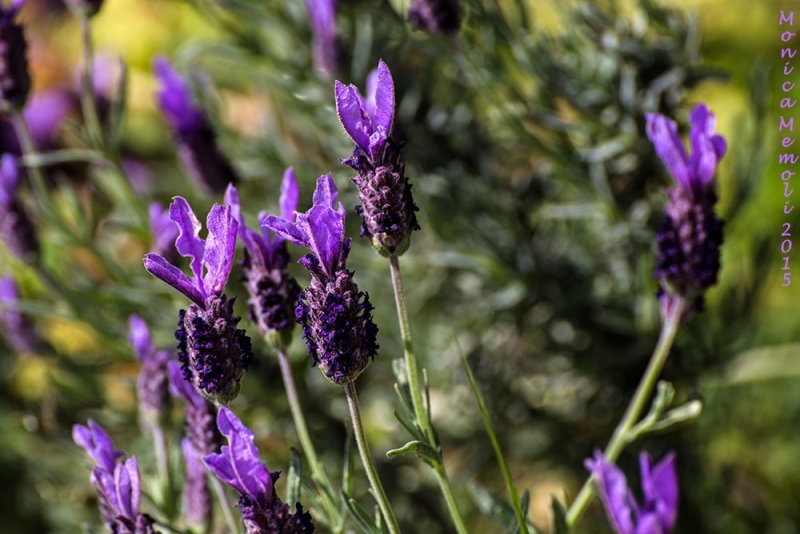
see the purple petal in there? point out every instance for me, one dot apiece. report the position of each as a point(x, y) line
point(614, 491)
point(97, 445)
point(189, 244)
point(290, 195)
point(660, 487)
point(123, 484)
point(251, 239)
point(164, 230)
point(179, 386)
point(284, 229)
point(326, 193)
point(325, 235)
point(350, 108)
point(164, 270)
point(220, 248)
point(9, 179)
point(384, 99)
point(175, 98)
point(663, 133)
point(647, 523)
point(704, 157)
point(139, 338)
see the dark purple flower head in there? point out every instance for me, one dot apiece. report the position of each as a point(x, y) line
point(201, 428)
point(327, 48)
point(15, 80)
point(656, 515)
point(387, 210)
point(117, 482)
point(336, 316)
point(691, 234)
point(435, 16)
point(197, 504)
point(164, 231)
point(196, 140)
point(214, 353)
point(153, 385)
point(239, 466)
point(17, 329)
point(16, 228)
point(273, 292)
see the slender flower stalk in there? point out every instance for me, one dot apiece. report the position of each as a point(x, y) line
point(366, 459)
point(620, 437)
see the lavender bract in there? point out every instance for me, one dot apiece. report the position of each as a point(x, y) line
point(18, 330)
point(690, 236)
point(435, 16)
point(387, 211)
point(238, 465)
point(15, 80)
point(196, 140)
point(273, 292)
point(16, 228)
point(656, 515)
point(116, 482)
point(153, 384)
point(336, 316)
point(212, 351)
point(327, 48)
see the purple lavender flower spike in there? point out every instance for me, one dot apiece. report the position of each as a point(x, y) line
point(387, 210)
point(691, 233)
point(16, 228)
point(197, 503)
point(196, 140)
point(15, 80)
point(201, 413)
point(336, 316)
point(238, 465)
point(18, 330)
point(117, 482)
point(213, 352)
point(273, 292)
point(438, 17)
point(656, 515)
point(327, 47)
point(153, 384)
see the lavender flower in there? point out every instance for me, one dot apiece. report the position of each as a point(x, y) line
point(18, 330)
point(435, 16)
point(273, 293)
point(44, 114)
point(200, 412)
point(238, 465)
point(336, 316)
point(153, 385)
point(197, 504)
point(16, 228)
point(164, 231)
point(15, 80)
point(196, 140)
point(387, 211)
point(117, 483)
point(691, 234)
point(659, 484)
point(213, 352)
point(327, 48)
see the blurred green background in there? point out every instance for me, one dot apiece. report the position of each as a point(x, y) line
point(539, 199)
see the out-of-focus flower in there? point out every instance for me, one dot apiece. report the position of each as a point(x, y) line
point(44, 114)
point(18, 331)
point(387, 211)
point(16, 228)
point(239, 466)
point(435, 16)
point(336, 316)
point(197, 504)
point(15, 80)
point(153, 385)
point(656, 515)
point(164, 231)
point(690, 236)
point(213, 352)
point(196, 140)
point(273, 292)
point(327, 47)
point(200, 412)
point(117, 483)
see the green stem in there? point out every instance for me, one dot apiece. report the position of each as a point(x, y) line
point(620, 437)
point(88, 103)
point(416, 393)
point(366, 458)
point(317, 471)
point(233, 525)
point(29, 149)
point(501, 459)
